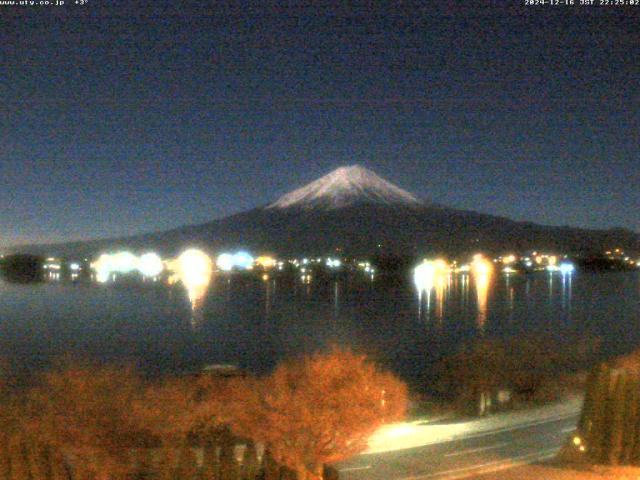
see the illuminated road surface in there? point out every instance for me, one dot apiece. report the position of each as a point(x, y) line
point(467, 457)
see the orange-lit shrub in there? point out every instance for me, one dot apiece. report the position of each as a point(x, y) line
point(86, 414)
point(99, 423)
point(317, 410)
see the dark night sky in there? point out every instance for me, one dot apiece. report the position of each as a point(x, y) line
point(130, 118)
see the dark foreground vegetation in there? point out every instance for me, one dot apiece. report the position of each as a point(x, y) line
point(108, 422)
point(497, 374)
point(609, 428)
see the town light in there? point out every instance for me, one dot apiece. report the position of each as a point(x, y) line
point(423, 275)
point(150, 265)
point(194, 268)
point(333, 263)
point(124, 262)
point(266, 262)
point(465, 268)
point(243, 260)
point(120, 262)
point(480, 265)
point(225, 262)
point(426, 274)
point(567, 268)
point(102, 266)
point(509, 259)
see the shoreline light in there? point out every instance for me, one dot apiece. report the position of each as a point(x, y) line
point(124, 262)
point(243, 260)
point(426, 274)
point(150, 265)
point(193, 268)
point(266, 262)
point(567, 268)
point(480, 265)
point(225, 262)
point(333, 263)
point(423, 276)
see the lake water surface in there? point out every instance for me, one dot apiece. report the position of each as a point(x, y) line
point(254, 323)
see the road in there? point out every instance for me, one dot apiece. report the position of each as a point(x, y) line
point(466, 457)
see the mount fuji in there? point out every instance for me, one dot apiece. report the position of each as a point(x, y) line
point(354, 211)
point(343, 187)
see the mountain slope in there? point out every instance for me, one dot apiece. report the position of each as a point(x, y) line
point(356, 212)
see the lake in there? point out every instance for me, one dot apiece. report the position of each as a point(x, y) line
point(254, 323)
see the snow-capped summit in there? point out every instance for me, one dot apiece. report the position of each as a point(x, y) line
point(346, 186)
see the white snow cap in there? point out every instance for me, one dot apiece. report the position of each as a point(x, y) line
point(346, 186)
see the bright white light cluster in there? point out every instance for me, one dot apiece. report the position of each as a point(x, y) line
point(241, 260)
point(225, 262)
point(423, 275)
point(333, 263)
point(429, 272)
point(567, 268)
point(149, 265)
point(366, 266)
point(193, 268)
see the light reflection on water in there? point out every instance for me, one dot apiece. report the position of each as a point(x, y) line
point(482, 282)
point(255, 323)
point(432, 277)
point(436, 288)
point(566, 293)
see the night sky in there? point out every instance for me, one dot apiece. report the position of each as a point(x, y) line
point(131, 118)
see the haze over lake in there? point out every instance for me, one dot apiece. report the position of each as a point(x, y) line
point(254, 323)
